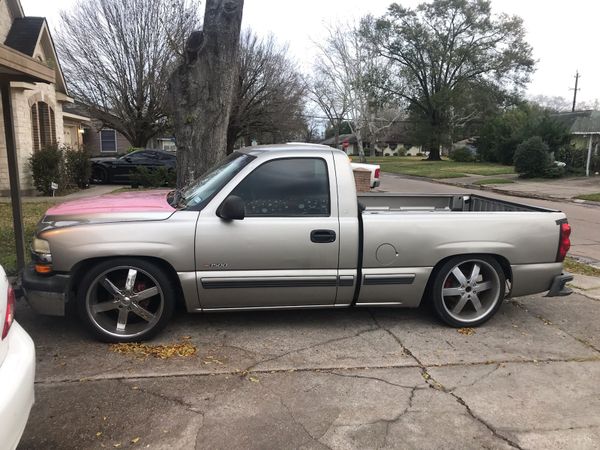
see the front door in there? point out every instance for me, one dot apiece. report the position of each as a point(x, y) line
point(285, 251)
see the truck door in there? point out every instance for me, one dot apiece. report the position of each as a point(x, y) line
point(285, 251)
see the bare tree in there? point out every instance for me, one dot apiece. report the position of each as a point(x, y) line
point(269, 95)
point(352, 74)
point(118, 55)
point(202, 89)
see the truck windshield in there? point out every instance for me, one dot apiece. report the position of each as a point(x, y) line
point(199, 192)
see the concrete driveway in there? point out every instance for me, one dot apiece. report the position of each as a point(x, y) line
point(363, 378)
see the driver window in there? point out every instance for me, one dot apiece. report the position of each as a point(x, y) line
point(294, 187)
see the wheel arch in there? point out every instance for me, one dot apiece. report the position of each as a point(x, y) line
point(504, 263)
point(82, 266)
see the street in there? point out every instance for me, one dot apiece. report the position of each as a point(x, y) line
point(359, 378)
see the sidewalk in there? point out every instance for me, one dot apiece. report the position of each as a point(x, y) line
point(559, 189)
point(92, 191)
point(586, 285)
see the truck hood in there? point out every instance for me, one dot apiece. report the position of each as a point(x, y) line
point(124, 207)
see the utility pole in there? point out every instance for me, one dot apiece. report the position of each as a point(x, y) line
point(575, 90)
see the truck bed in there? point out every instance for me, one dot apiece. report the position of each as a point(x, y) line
point(393, 202)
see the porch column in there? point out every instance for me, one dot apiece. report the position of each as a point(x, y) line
point(589, 156)
point(13, 172)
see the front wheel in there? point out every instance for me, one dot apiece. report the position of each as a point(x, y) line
point(468, 290)
point(125, 300)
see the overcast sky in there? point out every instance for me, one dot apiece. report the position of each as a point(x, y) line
point(563, 33)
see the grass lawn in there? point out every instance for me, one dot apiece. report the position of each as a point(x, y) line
point(493, 181)
point(575, 266)
point(414, 165)
point(32, 213)
point(593, 197)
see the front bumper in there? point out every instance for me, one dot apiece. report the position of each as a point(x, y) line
point(17, 373)
point(47, 294)
point(558, 287)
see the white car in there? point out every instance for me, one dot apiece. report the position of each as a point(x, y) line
point(375, 170)
point(17, 370)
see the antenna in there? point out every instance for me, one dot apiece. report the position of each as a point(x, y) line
point(575, 89)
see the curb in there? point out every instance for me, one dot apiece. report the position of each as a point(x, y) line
point(499, 191)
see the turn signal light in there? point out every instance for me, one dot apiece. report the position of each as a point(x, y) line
point(564, 243)
point(43, 268)
point(10, 311)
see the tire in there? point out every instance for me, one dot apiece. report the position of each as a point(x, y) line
point(134, 304)
point(100, 175)
point(472, 299)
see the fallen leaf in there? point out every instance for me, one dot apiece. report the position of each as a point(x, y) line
point(181, 349)
point(117, 445)
point(186, 338)
point(135, 440)
point(466, 331)
point(253, 379)
point(99, 433)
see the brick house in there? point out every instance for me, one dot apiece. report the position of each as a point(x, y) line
point(38, 115)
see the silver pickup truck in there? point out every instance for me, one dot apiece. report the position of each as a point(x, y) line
point(281, 227)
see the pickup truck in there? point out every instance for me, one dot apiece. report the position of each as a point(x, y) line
point(281, 227)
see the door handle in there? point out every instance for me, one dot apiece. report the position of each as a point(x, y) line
point(322, 236)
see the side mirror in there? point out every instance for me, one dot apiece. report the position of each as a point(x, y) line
point(232, 208)
point(128, 159)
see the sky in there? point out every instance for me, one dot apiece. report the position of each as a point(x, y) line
point(563, 33)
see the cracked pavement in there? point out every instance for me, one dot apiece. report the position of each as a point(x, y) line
point(362, 378)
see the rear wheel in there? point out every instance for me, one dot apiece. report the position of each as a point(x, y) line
point(125, 300)
point(468, 290)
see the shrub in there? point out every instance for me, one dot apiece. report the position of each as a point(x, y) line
point(159, 177)
point(78, 167)
point(46, 167)
point(553, 171)
point(462, 154)
point(532, 158)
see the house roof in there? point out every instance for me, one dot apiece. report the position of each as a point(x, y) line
point(24, 34)
point(580, 122)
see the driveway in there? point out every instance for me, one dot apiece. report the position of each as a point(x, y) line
point(363, 378)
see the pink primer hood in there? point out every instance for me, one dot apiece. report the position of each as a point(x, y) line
point(124, 207)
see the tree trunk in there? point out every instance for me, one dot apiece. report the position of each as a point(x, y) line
point(201, 90)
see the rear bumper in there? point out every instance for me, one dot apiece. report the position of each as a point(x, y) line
point(17, 374)
point(47, 294)
point(558, 287)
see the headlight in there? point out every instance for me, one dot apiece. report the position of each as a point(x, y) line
point(40, 246)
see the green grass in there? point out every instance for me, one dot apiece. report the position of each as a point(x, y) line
point(493, 181)
point(32, 213)
point(416, 166)
point(593, 197)
point(575, 266)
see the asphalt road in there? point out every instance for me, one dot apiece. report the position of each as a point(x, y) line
point(584, 219)
point(347, 379)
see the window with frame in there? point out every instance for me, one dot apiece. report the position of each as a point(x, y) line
point(108, 140)
point(291, 187)
point(43, 125)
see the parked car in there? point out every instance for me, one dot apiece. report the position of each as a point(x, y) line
point(17, 370)
point(278, 227)
point(119, 169)
point(375, 170)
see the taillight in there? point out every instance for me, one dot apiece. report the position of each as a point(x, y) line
point(377, 173)
point(564, 243)
point(10, 311)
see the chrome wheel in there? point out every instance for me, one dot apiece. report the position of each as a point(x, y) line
point(124, 302)
point(471, 290)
